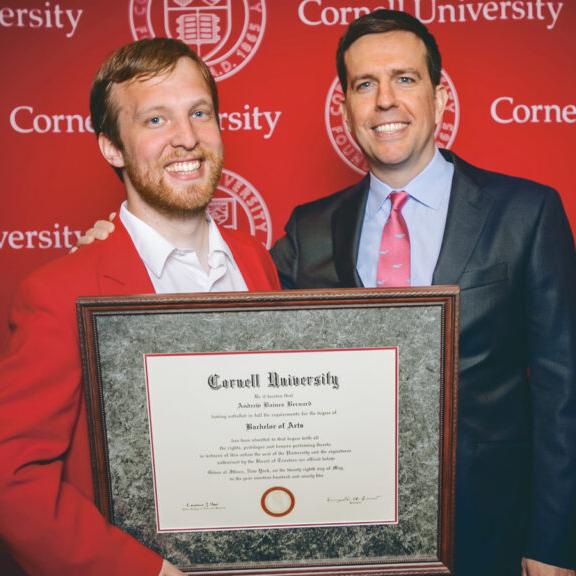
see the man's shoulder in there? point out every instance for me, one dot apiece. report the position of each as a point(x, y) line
point(240, 239)
point(517, 205)
point(325, 206)
point(243, 244)
point(252, 258)
point(77, 274)
point(67, 271)
point(501, 186)
point(48, 295)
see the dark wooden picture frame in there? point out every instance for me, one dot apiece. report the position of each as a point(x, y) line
point(423, 323)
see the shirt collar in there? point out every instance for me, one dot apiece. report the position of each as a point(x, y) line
point(155, 250)
point(430, 187)
point(218, 250)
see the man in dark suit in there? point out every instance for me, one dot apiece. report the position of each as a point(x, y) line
point(507, 243)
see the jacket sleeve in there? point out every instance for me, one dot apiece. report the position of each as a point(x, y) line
point(272, 281)
point(551, 306)
point(285, 254)
point(50, 525)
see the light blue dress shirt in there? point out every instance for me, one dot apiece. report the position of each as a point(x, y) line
point(425, 215)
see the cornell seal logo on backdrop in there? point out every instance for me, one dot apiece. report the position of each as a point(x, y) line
point(347, 148)
point(237, 204)
point(224, 33)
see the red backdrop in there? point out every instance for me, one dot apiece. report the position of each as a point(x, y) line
point(509, 66)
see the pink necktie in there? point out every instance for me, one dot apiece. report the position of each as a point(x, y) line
point(394, 258)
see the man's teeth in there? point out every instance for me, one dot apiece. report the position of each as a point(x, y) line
point(183, 166)
point(388, 128)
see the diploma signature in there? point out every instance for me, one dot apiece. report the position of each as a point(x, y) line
point(201, 506)
point(352, 499)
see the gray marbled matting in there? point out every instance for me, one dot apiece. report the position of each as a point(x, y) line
point(123, 339)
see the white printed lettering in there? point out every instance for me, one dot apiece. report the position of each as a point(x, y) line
point(57, 237)
point(52, 16)
point(24, 120)
point(321, 13)
point(250, 119)
point(505, 111)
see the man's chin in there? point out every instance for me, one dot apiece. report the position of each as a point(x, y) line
point(175, 198)
point(184, 210)
point(177, 204)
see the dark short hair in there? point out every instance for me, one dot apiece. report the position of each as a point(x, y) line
point(380, 22)
point(139, 60)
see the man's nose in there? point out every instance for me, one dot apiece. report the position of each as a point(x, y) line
point(386, 97)
point(184, 134)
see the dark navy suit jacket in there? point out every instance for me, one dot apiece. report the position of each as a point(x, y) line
point(508, 245)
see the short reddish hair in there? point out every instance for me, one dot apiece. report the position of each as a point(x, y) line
point(139, 60)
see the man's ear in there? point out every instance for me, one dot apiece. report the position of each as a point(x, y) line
point(440, 100)
point(110, 151)
point(344, 111)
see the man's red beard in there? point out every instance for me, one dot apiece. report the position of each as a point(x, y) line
point(182, 201)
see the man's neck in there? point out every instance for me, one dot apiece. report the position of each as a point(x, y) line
point(398, 177)
point(189, 232)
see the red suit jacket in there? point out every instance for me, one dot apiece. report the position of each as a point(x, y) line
point(47, 517)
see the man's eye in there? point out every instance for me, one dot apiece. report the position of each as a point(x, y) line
point(405, 79)
point(200, 114)
point(364, 85)
point(155, 121)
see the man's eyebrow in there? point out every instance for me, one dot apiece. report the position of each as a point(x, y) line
point(149, 110)
point(202, 102)
point(162, 108)
point(366, 76)
point(401, 71)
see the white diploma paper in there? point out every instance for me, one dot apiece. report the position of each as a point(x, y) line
point(271, 439)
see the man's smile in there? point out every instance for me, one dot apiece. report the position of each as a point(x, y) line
point(183, 167)
point(390, 127)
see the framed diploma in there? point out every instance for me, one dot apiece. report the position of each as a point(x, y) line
point(285, 432)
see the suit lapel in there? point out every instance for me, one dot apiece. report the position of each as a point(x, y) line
point(347, 223)
point(120, 268)
point(246, 258)
point(467, 212)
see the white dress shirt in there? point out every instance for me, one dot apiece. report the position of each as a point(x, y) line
point(172, 270)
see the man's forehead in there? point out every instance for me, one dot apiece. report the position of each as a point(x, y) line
point(140, 86)
point(146, 79)
point(394, 42)
point(389, 52)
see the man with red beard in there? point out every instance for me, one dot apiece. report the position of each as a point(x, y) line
point(154, 108)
